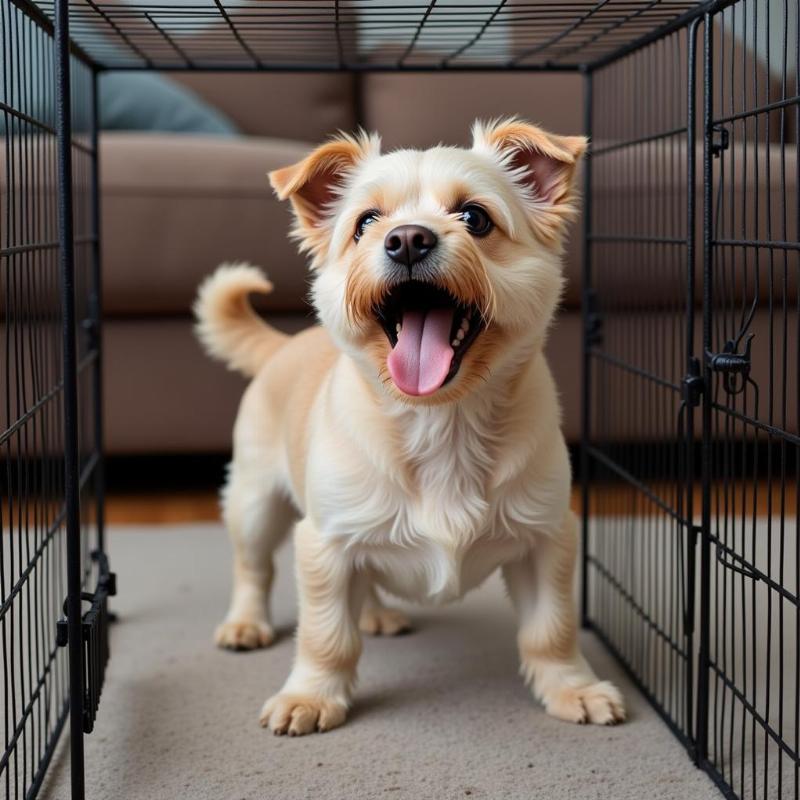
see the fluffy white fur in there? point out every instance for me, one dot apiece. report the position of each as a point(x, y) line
point(423, 498)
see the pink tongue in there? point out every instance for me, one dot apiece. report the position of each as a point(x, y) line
point(421, 358)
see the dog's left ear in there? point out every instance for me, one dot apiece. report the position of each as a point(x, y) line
point(541, 162)
point(314, 184)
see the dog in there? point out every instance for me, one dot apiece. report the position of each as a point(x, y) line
point(413, 438)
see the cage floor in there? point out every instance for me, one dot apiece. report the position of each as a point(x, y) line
point(440, 713)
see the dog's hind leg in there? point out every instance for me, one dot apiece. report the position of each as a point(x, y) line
point(541, 588)
point(379, 620)
point(258, 517)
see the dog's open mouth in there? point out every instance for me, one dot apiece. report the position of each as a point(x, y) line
point(430, 332)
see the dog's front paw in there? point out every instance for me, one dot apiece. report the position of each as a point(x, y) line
point(600, 703)
point(244, 635)
point(298, 715)
point(383, 621)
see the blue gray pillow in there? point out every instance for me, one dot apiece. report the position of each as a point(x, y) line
point(144, 101)
point(132, 101)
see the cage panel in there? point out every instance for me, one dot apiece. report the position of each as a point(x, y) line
point(752, 345)
point(639, 424)
point(653, 350)
point(33, 512)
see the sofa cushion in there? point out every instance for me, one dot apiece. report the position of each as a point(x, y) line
point(175, 206)
point(293, 106)
point(164, 395)
point(639, 219)
point(168, 222)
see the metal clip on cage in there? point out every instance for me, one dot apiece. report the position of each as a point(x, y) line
point(735, 367)
point(95, 637)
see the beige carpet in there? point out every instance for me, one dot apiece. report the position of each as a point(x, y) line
point(439, 714)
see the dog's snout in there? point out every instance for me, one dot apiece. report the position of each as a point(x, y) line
point(408, 244)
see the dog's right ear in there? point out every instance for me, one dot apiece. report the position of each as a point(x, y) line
point(542, 164)
point(314, 184)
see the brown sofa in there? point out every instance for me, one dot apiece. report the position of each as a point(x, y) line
point(174, 206)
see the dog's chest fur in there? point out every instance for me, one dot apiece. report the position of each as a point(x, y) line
point(447, 524)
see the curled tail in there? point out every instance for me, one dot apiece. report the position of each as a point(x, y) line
point(228, 327)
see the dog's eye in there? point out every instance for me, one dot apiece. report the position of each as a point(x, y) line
point(367, 218)
point(478, 222)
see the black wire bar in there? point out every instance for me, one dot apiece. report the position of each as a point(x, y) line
point(691, 358)
point(363, 34)
point(639, 344)
point(36, 486)
point(692, 562)
point(752, 355)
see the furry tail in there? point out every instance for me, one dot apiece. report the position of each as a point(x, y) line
point(228, 327)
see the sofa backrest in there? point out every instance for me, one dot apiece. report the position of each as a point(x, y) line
point(300, 106)
point(420, 109)
point(413, 110)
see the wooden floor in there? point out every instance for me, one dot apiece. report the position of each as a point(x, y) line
point(203, 506)
point(162, 507)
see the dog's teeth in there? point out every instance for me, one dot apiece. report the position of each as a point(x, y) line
point(455, 342)
point(460, 334)
point(398, 327)
point(465, 324)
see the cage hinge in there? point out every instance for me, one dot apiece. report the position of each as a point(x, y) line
point(693, 384)
point(735, 367)
point(94, 633)
point(593, 330)
point(720, 140)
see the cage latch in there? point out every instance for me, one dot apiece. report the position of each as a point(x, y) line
point(720, 140)
point(693, 384)
point(94, 625)
point(735, 367)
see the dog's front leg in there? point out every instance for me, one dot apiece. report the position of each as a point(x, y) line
point(317, 693)
point(541, 588)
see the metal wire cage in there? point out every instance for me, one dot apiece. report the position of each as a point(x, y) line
point(51, 497)
point(751, 341)
point(689, 458)
point(691, 406)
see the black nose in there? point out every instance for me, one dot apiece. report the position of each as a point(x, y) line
point(407, 244)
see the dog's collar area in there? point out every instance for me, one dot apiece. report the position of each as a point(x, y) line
point(411, 300)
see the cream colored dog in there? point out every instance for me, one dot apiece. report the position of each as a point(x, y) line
point(415, 434)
